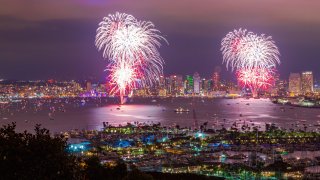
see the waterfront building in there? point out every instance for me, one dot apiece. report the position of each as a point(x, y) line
point(196, 83)
point(162, 82)
point(316, 86)
point(162, 92)
point(179, 85)
point(176, 83)
point(88, 86)
point(307, 82)
point(216, 78)
point(167, 85)
point(282, 87)
point(294, 84)
point(206, 86)
point(188, 85)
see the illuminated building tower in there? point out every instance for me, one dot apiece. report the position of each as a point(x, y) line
point(167, 84)
point(189, 85)
point(173, 84)
point(180, 87)
point(176, 84)
point(295, 84)
point(161, 87)
point(316, 87)
point(196, 83)
point(206, 86)
point(88, 86)
point(282, 87)
point(307, 82)
point(216, 77)
point(162, 82)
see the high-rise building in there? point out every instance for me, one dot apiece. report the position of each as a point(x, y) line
point(316, 86)
point(216, 77)
point(196, 83)
point(162, 81)
point(307, 82)
point(281, 87)
point(88, 86)
point(188, 84)
point(176, 83)
point(206, 86)
point(295, 83)
point(167, 85)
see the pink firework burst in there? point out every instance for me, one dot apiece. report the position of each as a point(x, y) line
point(256, 78)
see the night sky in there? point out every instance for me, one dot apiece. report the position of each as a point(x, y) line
point(42, 39)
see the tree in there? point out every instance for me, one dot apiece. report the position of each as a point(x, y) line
point(35, 156)
point(136, 174)
point(94, 169)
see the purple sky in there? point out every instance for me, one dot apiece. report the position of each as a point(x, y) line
point(55, 39)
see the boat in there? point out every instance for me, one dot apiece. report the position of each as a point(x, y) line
point(214, 116)
point(181, 110)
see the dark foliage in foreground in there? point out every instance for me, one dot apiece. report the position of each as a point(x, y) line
point(34, 156)
point(182, 176)
point(40, 156)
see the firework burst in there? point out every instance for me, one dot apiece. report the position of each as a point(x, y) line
point(254, 57)
point(256, 78)
point(242, 49)
point(258, 52)
point(132, 49)
point(231, 45)
point(108, 28)
point(137, 42)
point(122, 76)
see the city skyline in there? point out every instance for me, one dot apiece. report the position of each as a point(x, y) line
point(41, 44)
point(142, 89)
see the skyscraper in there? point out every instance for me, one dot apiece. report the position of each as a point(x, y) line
point(307, 82)
point(216, 77)
point(162, 82)
point(295, 83)
point(88, 86)
point(196, 83)
point(206, 86)
point(176, 84)
point(189, 84)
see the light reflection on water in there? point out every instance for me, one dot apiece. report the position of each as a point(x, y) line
point(214, 111)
